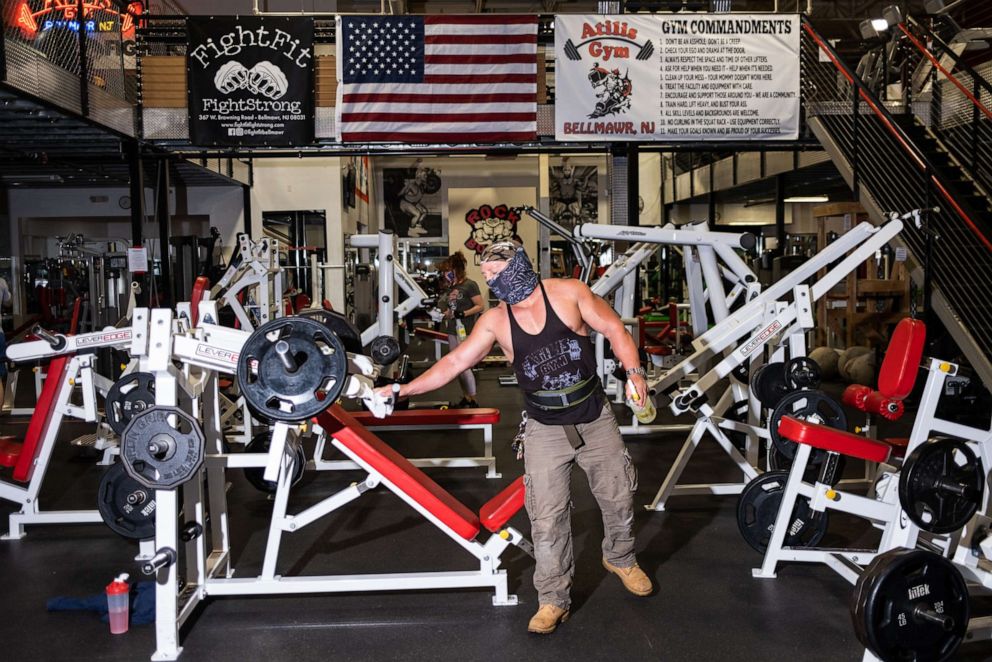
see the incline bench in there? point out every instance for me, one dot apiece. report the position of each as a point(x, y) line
point(419, 420)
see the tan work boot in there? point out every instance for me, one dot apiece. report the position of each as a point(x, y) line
point(547, 619)
point(633, 578)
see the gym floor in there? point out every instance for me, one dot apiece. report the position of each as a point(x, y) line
point(706, 606)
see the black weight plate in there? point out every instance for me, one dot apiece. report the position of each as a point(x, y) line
point(813, 406)
point(941, 485)
point(260, 443)
point(159, 454)
point(126, 506)
point(769, 385)
point(310, 383)
point(758, 507)
point(129, 395)
point(347, 332)
point(384, 350)
point(802, 372)
point(779, 462)
point(911, 605)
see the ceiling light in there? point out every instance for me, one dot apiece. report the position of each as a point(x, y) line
point(808, 198)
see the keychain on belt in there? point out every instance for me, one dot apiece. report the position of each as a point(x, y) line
point(517, 445)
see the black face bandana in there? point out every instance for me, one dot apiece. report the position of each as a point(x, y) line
point(516, 282)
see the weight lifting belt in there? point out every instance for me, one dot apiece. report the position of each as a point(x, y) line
point(563, 398)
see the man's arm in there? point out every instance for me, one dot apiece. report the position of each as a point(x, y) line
point(469, 352)
point(603, 319)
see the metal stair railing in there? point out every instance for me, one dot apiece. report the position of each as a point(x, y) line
point(891, 174)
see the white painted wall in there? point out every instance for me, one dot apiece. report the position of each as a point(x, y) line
point(304, 184)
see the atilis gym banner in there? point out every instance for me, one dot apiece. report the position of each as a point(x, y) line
point(677, 77)
point(250, 80)
point(437, 79)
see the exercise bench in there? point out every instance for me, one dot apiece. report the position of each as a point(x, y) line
point(421, 420)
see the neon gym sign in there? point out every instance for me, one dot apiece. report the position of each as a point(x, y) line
point(32, 17)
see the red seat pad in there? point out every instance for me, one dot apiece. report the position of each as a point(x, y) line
point(503, 506)
point(10, 449)
point(833, 440)
point(397, 469)
point(41, 418)
point(429, 417)
point(902, 359)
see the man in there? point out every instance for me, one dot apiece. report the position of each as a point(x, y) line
point(543, 327)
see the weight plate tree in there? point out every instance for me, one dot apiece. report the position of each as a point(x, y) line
point(911, 605)
point(291, 369)
point(758, 507)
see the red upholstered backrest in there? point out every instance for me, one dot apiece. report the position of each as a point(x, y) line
point(200, 285)
point(902, 359)
point(41, 418)
point(397, 469)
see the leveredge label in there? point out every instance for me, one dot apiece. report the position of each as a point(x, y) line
point(677, 77)
point(761, 338)
point(107, 338)
point(217, 354)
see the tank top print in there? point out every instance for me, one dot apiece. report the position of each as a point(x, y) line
point(552, 359)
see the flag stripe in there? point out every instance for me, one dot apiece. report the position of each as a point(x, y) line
point(478, 78)
point(420, 88)
point(486, 49)
point(480, 39)
point(442, 127)
point(460, 58)
point(481, 19)
point(425, 118)
point(384, 97)
point(441, 108)
point(423, 137)
point(500, 69)
point(478, 29)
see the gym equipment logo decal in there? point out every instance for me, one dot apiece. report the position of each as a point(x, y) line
point(491, 224)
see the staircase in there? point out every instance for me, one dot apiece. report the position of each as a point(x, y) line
point(931, 152)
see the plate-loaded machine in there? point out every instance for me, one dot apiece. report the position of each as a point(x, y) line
point(770, 319)
point(290, 370)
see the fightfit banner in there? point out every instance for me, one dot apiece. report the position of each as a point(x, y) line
point(250, 80)
point(677, 77)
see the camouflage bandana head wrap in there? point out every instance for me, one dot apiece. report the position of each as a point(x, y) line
point(518, 280)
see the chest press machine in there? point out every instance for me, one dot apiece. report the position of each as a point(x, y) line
point(776, 318)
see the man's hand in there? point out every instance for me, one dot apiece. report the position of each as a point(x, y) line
point(386, 392)
point(636, 384)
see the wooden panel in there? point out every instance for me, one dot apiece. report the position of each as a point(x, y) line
point(325, 81)
point(542, 79)
point(163, 81)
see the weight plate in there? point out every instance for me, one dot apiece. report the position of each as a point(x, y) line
point(129, 395)
point(911, 605)
point(291, 369)
point(347, 332)
point(161, 454)
point(758, 507)
point(769, 385)
point(779, 462)
point(260, 443)
point(941, 485)
point(802, 372)
point(126, 506)
point(812, 406)
point(385, 349)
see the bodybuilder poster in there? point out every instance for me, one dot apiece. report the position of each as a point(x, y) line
point(677, 77)
point(250, 80)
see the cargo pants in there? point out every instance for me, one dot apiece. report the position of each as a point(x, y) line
point(548, 460)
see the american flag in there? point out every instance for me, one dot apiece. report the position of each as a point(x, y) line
point(442, 78)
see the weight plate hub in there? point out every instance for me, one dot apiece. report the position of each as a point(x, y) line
point(126, 506)
point(941, 485)
point(911, 605)
point(291, 369)
point(129, 395)
point(347, 333)
point(162, 447)
point(758, 507)
point(769, 384)
point(260, 443)
point(385, 350)
point(813, 406)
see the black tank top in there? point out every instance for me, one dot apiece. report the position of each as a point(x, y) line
point(553, 359)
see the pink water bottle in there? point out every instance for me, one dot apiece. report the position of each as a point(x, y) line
point(118, 604)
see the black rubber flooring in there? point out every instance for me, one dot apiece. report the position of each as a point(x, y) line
point(706, 607)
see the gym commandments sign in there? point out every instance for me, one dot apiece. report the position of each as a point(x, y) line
point(250, 80)
point(677, 77)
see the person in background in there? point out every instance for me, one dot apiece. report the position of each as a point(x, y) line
point(6, 301)
point(462, 304)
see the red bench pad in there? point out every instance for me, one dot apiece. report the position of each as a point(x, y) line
point(833, 440)
point(503, 506)
point(429, 417)
point(41, 418)
point(902, 359)
point(10, 449)
point(397, 469)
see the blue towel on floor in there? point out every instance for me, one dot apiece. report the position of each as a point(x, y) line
point(142, 604)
